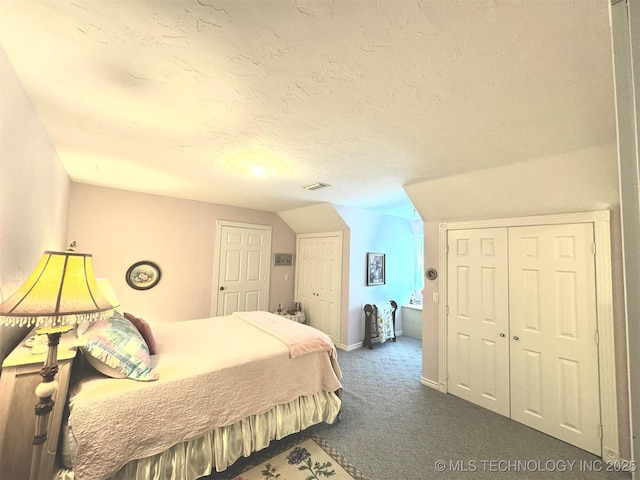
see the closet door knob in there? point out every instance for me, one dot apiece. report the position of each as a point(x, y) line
point(502, 335)
point(516, 338)
point(221, 288)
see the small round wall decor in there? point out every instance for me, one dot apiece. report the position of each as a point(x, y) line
point(432, 274)
point(143, 275)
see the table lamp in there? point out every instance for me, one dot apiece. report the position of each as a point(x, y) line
point(61, 292)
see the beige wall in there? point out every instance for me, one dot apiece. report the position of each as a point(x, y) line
point(574, 182)
point(120, 228)
point(625, 20)
point(581, 181)
point(318, 218)
point(430, 325)
point(34, 192)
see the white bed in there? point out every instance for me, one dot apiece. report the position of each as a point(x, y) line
point(227, 386)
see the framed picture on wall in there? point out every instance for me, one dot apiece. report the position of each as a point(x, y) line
point(375, 268)
point(143, 275)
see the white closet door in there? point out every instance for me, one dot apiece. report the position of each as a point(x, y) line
point(319, 280)
point(554, 357)
point(306, 266)
point(329, 285)
point(478, 324)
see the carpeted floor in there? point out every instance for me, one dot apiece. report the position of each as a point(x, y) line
point(392, 427)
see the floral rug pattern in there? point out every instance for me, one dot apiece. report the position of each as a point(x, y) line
point(311, 459)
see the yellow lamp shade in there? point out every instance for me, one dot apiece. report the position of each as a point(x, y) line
point(107, 291)
point(61, 290)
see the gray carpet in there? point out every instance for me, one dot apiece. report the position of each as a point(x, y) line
point(392, 427)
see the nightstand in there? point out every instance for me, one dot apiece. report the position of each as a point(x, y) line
point(296, 317)
point(18, 380)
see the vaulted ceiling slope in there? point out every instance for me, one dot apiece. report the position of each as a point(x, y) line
point(180, 98)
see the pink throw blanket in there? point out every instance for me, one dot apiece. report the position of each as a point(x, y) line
point(298, 337)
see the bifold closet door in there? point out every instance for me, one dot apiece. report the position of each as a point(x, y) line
point(478, 324)
point(554, 356)
point(318, 281)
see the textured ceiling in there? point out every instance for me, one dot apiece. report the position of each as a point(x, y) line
point(179, 98)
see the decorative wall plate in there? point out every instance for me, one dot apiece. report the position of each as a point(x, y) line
point(143, 275)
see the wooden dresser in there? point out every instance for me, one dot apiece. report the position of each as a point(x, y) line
point(18, 380)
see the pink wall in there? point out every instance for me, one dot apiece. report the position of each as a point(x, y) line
point(34, 193)
point(120, 228)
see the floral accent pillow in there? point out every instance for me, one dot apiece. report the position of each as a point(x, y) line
point(117, 343)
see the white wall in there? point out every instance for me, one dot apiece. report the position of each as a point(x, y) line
point(579, 181)
point(120, 228)
point(34, 192)
point(373, 232)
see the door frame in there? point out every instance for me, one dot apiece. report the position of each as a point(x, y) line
point(216, 258)
point(604, 308)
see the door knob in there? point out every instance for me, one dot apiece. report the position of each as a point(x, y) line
point(221, 288)
point(516, 337)
point(502, 335)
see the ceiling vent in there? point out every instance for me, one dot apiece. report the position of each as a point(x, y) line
point(316, 186)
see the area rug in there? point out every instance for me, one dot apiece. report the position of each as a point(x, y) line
point(309, 459)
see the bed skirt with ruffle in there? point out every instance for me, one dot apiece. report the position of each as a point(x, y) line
point(222, 446)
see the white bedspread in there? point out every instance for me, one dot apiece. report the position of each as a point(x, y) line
point(213, 372)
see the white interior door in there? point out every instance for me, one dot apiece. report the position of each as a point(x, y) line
point(554, 356)
point(329, 272)
point(319, 280)
point(306, 261)
point(243, 268)
point(478, 323)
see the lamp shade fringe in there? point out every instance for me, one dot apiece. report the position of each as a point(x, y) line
point(55, 321)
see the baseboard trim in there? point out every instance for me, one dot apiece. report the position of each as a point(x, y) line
point(430, 383)
point(355, 346)
point(348, 348)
